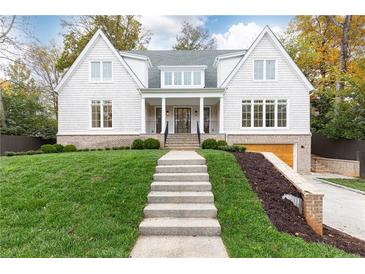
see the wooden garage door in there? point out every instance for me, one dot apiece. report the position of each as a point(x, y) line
point(284, 152)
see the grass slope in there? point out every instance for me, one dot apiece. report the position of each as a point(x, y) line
point(246, 229)
point(81, 204)
point(358, 184)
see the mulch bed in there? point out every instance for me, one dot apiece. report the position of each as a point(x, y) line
point(270, 185)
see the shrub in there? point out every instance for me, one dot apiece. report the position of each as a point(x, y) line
point(48, 148)
point(107, 148)
point(93, 149)
point(221, 143)
point(151, 143)
point(30, 152)
point(58, 147)
point(69, 148)
point(233, 148)
point(209, 144)
point(138, 144)
point(100, 149)
point(9, 153)
point(239, 148)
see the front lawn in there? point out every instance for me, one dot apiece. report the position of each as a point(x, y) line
point(246, 229)
point(358, 184)
point(80, 204)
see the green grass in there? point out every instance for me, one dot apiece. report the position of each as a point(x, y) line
point(246, 229)
point(358, 184)
point(81, 204)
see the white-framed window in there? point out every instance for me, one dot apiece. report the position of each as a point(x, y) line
point(168, 78)
point(260, 113)
point(264, 70)
point(197, 78)
point(177, 78)
point(282, 113)
point(187, 78)
point(246, 113)
point(101, 71)
point(182, 78)
point(101, 114)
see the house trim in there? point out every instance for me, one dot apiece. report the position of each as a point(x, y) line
point(268, 31)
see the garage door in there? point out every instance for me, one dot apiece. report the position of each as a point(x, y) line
point(284, 151)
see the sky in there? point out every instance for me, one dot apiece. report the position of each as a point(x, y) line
point(231, 32)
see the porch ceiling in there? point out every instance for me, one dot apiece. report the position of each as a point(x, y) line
point(182, 101)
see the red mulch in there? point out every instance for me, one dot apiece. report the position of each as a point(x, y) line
point(270, 185)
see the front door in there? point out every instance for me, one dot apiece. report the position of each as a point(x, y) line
point(182, 117)
point(158, 120)
point(206, 120)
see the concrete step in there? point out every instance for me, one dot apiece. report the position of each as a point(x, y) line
point(182, 143)
point(180, 197)
point(182, 148)
point(162, 162)
point(182, 169)
point(180, 211)
point(180, 226)
point(181, 186)
point(181, 177)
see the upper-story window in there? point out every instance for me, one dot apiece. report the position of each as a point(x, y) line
point(101, 71)
point(264, 70)
point(182, 77)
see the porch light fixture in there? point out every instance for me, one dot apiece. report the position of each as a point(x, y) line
point(167, 113)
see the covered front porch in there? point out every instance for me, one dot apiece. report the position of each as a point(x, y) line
point(182, 112)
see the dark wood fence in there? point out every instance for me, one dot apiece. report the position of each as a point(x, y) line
point(21, 143)
point(339, 149)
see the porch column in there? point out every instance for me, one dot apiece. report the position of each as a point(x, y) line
point(221, 115)
point(201, 115)
point(163, 115)
point(143, 115)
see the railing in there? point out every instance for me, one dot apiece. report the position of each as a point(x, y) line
point(166, 132)
point(198, 131)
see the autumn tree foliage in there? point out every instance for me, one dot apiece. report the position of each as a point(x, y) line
point(330, 50)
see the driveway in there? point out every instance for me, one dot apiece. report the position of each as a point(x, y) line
point(344, 209)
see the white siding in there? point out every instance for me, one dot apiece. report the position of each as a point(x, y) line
point(225, 67)
point(76, 94)
point(288, 86)
point(140, 68)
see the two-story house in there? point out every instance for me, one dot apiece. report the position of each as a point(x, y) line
point(257, 97)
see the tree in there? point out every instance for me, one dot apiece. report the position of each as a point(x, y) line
point(194, 38)
point(344, 49)
point(42, 60)
point(25, 112)
point(124, 32)
point(330, 51)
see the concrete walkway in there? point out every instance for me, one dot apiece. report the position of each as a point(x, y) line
point(343, 209)
point(180, 217)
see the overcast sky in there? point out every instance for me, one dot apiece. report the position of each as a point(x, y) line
point(231, 32)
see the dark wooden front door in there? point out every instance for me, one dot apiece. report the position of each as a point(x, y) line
point(182, 117)
point(158, 120)
point(206, 120)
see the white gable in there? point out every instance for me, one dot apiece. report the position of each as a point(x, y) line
point(267, 37)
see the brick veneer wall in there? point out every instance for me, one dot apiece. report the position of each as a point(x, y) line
point(313, 211)
point(344, 167)
point(312, 199)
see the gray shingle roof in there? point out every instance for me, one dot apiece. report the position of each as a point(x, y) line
point(182, 58)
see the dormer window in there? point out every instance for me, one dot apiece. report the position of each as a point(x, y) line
point(182, 77)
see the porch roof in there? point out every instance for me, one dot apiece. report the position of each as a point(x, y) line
point(181, 93)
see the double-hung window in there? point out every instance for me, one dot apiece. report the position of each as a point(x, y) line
point(264, 113)
point(101, 71)
point(101, 114)
point(264, 70)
